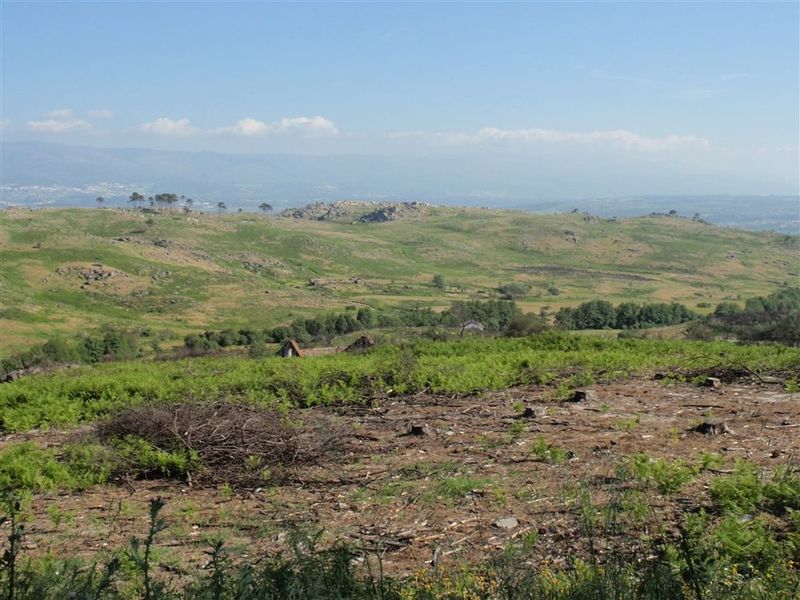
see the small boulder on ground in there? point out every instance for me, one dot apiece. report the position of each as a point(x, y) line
point(712, 382)
point(506, 523)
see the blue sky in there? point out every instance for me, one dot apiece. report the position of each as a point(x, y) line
point(700, 87)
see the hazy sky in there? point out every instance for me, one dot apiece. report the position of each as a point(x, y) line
point(708, 91)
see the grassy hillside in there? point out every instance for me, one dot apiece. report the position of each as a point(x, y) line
point(72, 269)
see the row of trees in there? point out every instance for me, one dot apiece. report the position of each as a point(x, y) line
point(321, 328)
point(112, 343)
point(494, 315)
point(601, 314)
point(168, 200)
point(163, 201)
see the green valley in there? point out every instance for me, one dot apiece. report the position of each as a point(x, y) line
point(69, 270)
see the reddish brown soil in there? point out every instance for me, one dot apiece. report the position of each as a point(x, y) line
point(406, 495)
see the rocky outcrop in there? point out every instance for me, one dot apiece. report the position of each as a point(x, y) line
point(365, 212)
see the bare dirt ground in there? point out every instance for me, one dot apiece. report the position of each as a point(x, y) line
point(442, 492)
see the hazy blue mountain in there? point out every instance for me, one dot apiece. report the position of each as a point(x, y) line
point(42, 174)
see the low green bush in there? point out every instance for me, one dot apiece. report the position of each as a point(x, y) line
point(27, 467)
point(139, 457)
point(666, 476)
point(745, 491)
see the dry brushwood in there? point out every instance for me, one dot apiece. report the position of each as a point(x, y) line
point(235, 443)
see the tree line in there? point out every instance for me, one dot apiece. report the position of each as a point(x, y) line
point(775, 317)
point(494, 315)
point(106, 344)
point(601, 314)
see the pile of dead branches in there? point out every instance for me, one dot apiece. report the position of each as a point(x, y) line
point(726, 373)
point(234, 443)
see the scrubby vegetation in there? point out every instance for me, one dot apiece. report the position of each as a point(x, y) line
point(764, 318)
point(462, 367)
point(107, 344)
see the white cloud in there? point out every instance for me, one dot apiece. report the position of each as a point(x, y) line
point(311, 126)
point(167, 126)
point(60, 120)
point(617, 137)
point(100, 113)
point(59, 125)
point(306, 126)
point(60, 114)
point(246, 127)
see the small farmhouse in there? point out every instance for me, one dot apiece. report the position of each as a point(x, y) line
point(289, 349)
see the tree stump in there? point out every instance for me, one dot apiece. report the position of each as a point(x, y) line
point(713, 428)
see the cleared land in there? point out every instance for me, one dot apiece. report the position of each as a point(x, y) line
point(478, 461)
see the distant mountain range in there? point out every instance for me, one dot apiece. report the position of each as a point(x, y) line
point(44, 174)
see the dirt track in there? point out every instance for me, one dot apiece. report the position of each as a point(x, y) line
point(411, 496)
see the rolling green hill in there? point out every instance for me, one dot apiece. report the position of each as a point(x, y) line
point(74, 269)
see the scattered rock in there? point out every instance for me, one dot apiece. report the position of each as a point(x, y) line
point(659, 376)
point(367, 212)
point(14, 375)
point(712, 382)
point(533, 412)
point(162, 243)
point(506, 523)
point(417, 430)
point(583, 396)
point(97, 273)
point(713, 428)
point(381, 215)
